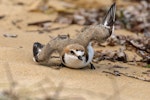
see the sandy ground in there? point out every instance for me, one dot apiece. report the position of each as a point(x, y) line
point(69, 84)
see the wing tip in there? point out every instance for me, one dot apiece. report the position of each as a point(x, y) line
point(109, 18)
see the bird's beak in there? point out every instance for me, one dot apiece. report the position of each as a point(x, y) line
point(80, 57)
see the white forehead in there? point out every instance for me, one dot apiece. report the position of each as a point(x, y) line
point(79, 53)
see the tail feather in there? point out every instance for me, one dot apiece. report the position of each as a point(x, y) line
point(109, 19)
point(36, 49)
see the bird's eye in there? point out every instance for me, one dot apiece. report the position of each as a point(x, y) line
point(72, 52)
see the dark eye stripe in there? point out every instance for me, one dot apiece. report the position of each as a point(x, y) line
point(79, 50)
point(72, 52)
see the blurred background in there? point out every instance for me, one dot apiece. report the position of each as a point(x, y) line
point(132, 15)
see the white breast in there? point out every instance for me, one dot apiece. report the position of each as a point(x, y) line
point(73, 62)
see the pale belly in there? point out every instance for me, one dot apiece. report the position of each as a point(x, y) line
point(73, 62)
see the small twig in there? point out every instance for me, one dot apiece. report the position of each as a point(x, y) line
point(38, 23)
point(47, 30)
point(135, 77)
point(113, 73)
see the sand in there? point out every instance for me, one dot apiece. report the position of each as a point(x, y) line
point(35, 80)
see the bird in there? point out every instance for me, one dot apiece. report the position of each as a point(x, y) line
point(68, 48)
point(72, 56)
point(76, 56)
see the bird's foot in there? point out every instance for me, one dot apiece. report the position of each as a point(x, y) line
point(92, 66)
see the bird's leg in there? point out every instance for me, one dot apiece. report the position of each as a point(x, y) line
point(92, 66)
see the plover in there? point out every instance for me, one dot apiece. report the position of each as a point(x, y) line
point(76, 56)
